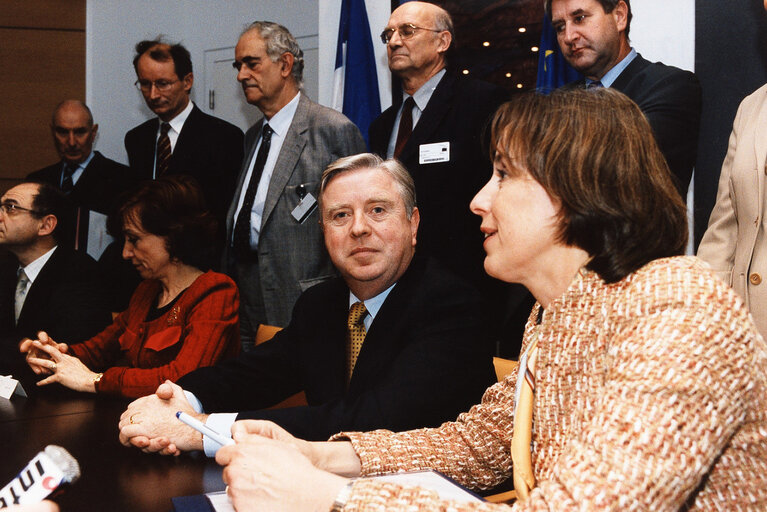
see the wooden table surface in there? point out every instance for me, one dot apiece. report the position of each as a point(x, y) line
point(113, 478)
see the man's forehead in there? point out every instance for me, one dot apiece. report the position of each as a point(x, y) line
point(20, 194)
point(560, 8)
point(369, 185)
point(251, 44)
point(417, 13)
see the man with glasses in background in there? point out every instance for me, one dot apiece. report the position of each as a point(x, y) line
point(181, 139)
point(43, 286)
point(437, 134)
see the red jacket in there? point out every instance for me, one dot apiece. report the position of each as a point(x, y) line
point(136, 356)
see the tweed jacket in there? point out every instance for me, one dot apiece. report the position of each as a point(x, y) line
point(199, 330)
point(735, 243)
point(651, 394)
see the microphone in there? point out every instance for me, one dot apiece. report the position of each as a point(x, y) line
point(44, 474)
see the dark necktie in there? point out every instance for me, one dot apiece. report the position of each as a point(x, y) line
point(405, 126)
point(241, 239)
point(21, 293)
point(163, 150)
point(355, 336)
point(596, 84)
point(67, 184)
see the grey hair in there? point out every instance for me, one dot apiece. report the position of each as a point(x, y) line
point(443, 21)
point(396, 170)
point(279, 40)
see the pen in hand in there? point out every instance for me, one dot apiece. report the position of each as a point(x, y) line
point(218, 437)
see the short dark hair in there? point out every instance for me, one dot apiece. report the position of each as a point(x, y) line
point(172, 207)
point(607, 7)
point(161, 51)
point(50, 200)
point(594, 152)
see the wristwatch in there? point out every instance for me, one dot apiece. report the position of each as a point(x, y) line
point(343, 497)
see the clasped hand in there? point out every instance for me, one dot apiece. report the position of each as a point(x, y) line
point(150, 422)
point(46, 357)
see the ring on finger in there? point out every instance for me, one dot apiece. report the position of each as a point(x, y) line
point(53, 367)
point(131, 418)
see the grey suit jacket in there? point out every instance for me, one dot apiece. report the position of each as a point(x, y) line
point(292, 255)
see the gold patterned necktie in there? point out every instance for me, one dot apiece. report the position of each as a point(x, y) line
point(521, 456)
point(355, 336)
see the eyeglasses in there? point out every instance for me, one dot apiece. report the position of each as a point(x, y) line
point(160, 85)
point(405, 31)
point(12, 209)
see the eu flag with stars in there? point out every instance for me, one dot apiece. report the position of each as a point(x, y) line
point(553, 69)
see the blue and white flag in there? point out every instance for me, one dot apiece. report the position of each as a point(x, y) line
point(553, 69)
point(355, 87)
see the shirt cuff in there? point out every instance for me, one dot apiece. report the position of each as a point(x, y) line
point(194, 402)
point(221, 422)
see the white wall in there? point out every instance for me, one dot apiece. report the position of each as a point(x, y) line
point(113, 27)
point(664, 30)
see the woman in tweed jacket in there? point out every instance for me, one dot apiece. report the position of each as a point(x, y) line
point(650, 376)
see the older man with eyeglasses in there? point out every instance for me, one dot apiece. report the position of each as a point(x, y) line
point(436, 132)
point(182, 139)
point(43, 286)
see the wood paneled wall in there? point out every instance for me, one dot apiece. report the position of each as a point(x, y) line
point(42, 57)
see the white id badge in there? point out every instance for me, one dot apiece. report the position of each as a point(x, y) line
point(434, 153)
point(305, 208)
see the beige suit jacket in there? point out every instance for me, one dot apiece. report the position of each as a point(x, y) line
point(735, 243)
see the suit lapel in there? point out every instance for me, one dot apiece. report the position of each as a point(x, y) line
point(633, 69)
point(189, 134)
point(760, 147)
point(292, 147)
point(41, 287)
point(431, 117)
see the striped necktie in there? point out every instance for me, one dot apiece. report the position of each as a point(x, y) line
point(163, 150)
point(21, 293)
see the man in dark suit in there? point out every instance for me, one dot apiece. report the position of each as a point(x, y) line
point(594, 38)
point(274, 245)
point(92, 183)
point(89, 179)
point(181, 139)
point(43, 286)
point(437, 133)
point(438, 138)
point(424, 354)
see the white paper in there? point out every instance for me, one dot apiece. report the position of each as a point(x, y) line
point(98, 238)
point(220, 501)
point(443, 486)
point(10, 386)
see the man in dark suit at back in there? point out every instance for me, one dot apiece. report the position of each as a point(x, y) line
point(89, 179)
point(182, 138)
point(92, 183)
point(43, 286)
point(397, 342)
point(437, 133)
point(594, 38)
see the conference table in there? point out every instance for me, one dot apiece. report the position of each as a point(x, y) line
point(113, 477)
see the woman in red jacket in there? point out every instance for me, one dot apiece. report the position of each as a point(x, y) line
point(179, 318)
